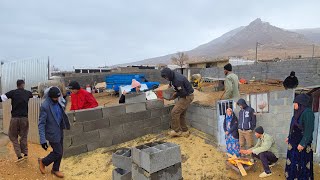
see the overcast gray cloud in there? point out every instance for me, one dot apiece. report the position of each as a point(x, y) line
point(94, 33)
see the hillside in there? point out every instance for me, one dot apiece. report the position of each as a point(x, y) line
point(274, 43)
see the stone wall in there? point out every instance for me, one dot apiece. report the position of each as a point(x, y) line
point(307, 71)
point(107, 126)
point(276, 122)
point(84, 79)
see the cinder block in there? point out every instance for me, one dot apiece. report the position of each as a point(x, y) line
point(75, 150)
point(75, 129)
point(136, 98)
point(85, 138)
point(135, 107)
point(121, 174)
point(122, 159)
point(67, 141)
point(155, 104)
point(114, 110)
point(133, 126)
point(119, 120)
point(109, 132)
point(156, 112)
point(155, 157)
point(141, 115)
point(171, 173)
point(88, 115)
point(71, 116)
point(168, 93)
point(166, 110)
point(152, 122)
point(166, 119)
point(97, 124)
point(93, 146)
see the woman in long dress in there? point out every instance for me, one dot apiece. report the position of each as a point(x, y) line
point(299, 163)
point(230, 126)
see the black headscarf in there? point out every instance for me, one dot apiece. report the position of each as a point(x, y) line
point(167, 73)
point(303, 102)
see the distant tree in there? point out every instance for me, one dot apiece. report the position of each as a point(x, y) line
point(180, 59)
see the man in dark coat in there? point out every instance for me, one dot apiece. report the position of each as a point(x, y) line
point(291, 81)
point(52, 121)
point(184, 93)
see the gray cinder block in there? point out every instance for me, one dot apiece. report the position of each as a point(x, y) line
point(152, 122)
point(153, 158)
point(168, 93)
point(70, 116)
point(171, 173)
point(97, 124)
point(88, 115)
point(121, 174)
point(114, 110)
point(75, 150)
point(156, 112)
point(75, 129)
point(135, 107)
point(118, 120)
point(154, 104)
point(141, 115)
point(85, 138)
point(122, 159)
point(136, 98)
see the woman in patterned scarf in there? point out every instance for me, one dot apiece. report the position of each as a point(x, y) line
point(299, 164)
point(230, 126)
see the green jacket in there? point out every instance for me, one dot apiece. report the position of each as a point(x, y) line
point(231, 85)
point(265, 143)
point(307, 122)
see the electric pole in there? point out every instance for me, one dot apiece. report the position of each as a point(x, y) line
point(312, 51)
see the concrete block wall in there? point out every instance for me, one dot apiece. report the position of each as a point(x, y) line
point(106, 126)
point(307, 71)
point(1, 120)
point(203, 118)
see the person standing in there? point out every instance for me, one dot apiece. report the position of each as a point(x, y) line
point(135, 85)
point(19, 124)
point(52, 121)
point(266, 150)
point(291, 81)
point(184, 93)
point(230, 126)
point(80, 98)
point(231, 83)
point(247, 123)
point(299, 163)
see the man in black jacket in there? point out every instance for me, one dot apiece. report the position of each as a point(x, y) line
point(184, 93)
point(19, 124)
point(291, 81)
point(246, 125)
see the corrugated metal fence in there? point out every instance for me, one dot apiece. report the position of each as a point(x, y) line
point(32, 71)
point(33, 117)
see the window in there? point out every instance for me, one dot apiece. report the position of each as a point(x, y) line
point(260, 102)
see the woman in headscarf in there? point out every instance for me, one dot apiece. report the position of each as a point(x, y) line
point(299, 163)
point(135, 85)
point(230, 126)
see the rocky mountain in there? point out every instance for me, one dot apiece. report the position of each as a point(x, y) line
point(274, 42)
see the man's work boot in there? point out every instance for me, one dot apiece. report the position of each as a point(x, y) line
point(185, 134)
point(173, 133)
point(59, 174)
point(42, 167)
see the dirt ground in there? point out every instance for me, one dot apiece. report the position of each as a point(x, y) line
point(206, 97)
point(200, 161)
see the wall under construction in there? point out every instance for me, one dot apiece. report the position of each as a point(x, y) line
point(307, 71)
point(107, 126)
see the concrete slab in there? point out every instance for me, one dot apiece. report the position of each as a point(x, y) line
point(122, 159)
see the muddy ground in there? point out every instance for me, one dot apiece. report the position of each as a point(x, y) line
point(201, 161)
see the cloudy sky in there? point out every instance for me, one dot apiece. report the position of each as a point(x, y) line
point(97, 32)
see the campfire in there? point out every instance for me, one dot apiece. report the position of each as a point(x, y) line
point(239, 164)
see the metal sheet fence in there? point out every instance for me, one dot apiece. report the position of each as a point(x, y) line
point(33, 117)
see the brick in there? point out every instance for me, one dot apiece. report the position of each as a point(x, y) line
point(156, 112)
point(114, 110)
point(97, 124)
point(152, 122)
point(85, 138)
point(136, 98)
point(157, 157)
point(122, 159)
point(141, 115)
point(75, 150)
point(70, 116)
point(155, 104)
point(136, 107)
point(88, 115)
point(121, 174)
point(75, 129)
point(171, 173)
point(109, 132)
point(119, 120)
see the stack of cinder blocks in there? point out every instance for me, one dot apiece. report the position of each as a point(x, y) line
point(156, 161)
point(122, 160)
